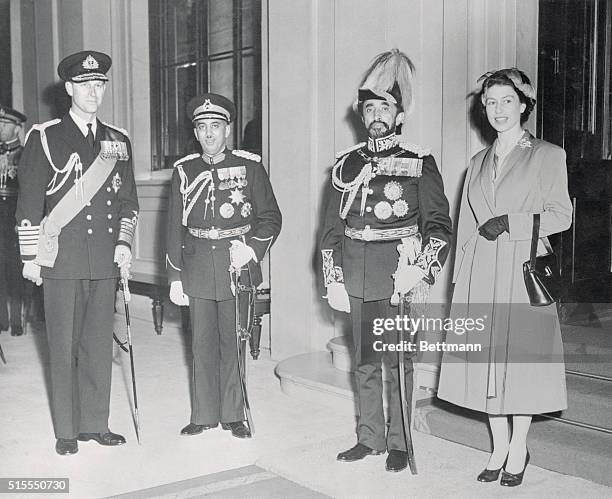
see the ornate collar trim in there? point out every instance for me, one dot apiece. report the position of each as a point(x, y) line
point(383, 143)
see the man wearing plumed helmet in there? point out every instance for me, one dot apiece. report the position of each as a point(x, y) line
point(385, 237)
point(76, 215)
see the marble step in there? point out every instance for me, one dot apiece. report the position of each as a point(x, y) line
point(553, 445)
point(589, 401)
point(313, 378)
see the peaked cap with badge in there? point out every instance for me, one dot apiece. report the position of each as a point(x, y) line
point(10, 115)
point(84, 66)
point(210, 106)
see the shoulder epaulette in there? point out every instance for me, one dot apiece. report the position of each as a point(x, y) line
point(186, 158)
point(349, 149)
point(41, 127)
point(247, 155)
point(122, 130)
point(418, 150)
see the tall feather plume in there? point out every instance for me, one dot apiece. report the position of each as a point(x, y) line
point(390, 68)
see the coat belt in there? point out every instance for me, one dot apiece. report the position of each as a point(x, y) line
point(214, 233)
point(369, 234)
point(8, 192)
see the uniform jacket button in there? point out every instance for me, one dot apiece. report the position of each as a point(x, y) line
point(108, 189)
point(109, 216)
point(110, 229)
point(90, 231)
point(109, 202)
point(368, 209)
point(88, 217)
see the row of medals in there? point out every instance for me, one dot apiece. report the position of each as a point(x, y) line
point(238, 183)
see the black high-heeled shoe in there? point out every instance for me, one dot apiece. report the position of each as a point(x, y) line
point(512, 479)
point(490, 475)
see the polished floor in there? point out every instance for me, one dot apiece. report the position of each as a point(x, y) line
point(295, 440)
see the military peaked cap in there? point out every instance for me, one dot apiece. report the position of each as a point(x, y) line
point(8, 114)
point(210, 106)
point(84, 66)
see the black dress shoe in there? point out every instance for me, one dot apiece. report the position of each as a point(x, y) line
point(195, 429)
point(490, 475)
point(512, 479)
point(108, 438)
point(65, 446)
point(397, 460)
point(238, 429)
point(358, 452)
point(16, 331)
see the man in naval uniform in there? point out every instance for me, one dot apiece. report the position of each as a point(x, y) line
point(222, 216)
point(386, 200)
point(11, 282)
point(76, 214)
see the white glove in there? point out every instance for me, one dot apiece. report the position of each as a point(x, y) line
point(123, 258)
point(240, 254)
point(31, 271)
point(406, 279)
point(176, 294)
point(337, 297)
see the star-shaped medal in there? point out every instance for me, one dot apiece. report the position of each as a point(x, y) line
point(116, 182)
point(237, 196)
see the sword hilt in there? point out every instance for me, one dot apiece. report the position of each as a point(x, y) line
point(125, 287)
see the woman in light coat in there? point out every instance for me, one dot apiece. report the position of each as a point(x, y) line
point(520, 370)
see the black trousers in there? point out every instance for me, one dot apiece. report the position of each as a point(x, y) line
point(12, 284)
point(215, 389)
point(368, 373)
point(79, 322)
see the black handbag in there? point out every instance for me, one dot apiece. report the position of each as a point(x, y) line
point(541, 273)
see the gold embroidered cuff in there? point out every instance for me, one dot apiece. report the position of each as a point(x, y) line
point(28, 240)
point(428, 259)
point(331, 272)
point(127, 230)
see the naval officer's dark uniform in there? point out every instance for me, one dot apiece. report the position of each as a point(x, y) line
point(12, 285)
point(382, 192)
point(79, 289)
point(212, 202)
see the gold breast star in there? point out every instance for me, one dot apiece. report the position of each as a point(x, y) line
point(237, 197)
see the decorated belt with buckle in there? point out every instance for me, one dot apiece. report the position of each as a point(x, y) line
point(8, 192)
point(369, 234)
point(214, 233)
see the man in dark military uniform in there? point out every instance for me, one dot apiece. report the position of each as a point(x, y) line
point(222, 216)
point(11, 282)
point(77, 212)
point(386, 200)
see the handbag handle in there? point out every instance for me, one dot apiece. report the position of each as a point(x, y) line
point(534, 239)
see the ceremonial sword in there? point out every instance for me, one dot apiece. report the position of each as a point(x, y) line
point(126, 298)
point(242, 338)
point(402, 389)
point(2, 355)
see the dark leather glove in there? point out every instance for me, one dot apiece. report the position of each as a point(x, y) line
point(493, 227)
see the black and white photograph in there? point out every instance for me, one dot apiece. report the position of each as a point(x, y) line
point(305, 248)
